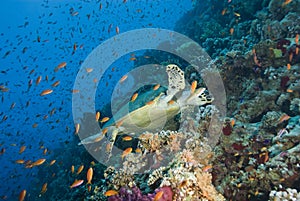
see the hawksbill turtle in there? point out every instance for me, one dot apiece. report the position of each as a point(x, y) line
point(153, 115)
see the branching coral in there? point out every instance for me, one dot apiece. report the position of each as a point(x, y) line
point(191, 183)
point(117, 179)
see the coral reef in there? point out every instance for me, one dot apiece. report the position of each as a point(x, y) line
point(255, 47)
point(288, 194)
point(185, 177)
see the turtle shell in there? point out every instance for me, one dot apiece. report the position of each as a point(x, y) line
point(146, 113)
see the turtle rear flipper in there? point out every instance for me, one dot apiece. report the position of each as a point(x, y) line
point(92, 139)
point(111, 138)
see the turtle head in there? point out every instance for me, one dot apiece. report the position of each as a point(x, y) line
point(199, 97)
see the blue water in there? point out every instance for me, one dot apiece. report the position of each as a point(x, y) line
point(38, 35)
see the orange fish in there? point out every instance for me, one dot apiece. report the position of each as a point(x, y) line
point(97, 116)
point(76, 183)
point(108, 147)
point(206, 168)
point(232, 122)
point(126, 152)
point(44, 188)
point(119, 123)
point(22, 195)
point(39, 162)
point(89, 70)
point(297, 39)
point(286, 2)
point(55, 84)
point(110, 193)
point(150, 103)
point(89, 175)
point(291, 57)
point(288, 66)
point(104, 131)
point(117, 30)
point(74, 47)
point(289, 91)
point(104, 119)
point(20, 161)
point(138, 150)
point(132, 59)
point(123, 78)
point(46, 92)
point(127, 138)
point(80, 169)
point(61, 65)
point(38, 80)
point(22, 149)
point(52, 162)
point(45, 151)
point(75, 91)
point(77, 127)
point(171, 102)
point(72, 169)
point(193, 86)
point(224, 11)
point(135, 95)
point(231, 30)
point(284, 117)
point(156, 87)
point(98, 139)
point(158, 195)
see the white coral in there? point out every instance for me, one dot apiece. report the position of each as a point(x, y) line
point(284, 195)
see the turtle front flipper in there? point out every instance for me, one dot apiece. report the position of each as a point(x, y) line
point(199, 97)
point(176, 81)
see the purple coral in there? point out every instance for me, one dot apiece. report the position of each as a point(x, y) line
point(135, 194)
point(227, 129)
point(167, 195)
